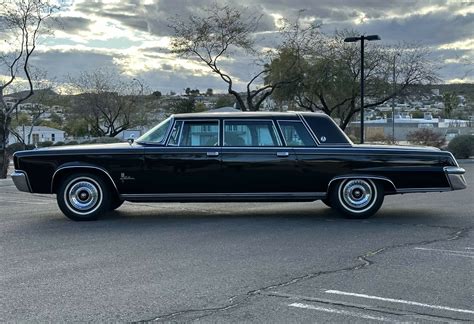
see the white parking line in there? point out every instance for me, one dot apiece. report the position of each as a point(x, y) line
point(400, 301)
point(443, 250)
point(461, 255)
point(341, 312)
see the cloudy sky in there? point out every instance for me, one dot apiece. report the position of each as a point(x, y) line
point(132, 38)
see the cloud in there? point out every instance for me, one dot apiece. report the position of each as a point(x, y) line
point(132, 36)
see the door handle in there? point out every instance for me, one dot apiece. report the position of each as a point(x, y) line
point(283, 154)
point(212, 153)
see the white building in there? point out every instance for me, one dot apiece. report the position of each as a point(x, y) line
point(38, 134)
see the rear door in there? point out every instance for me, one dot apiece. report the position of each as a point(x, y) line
point(254, 158)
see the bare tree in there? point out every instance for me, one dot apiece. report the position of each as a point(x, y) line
point(106, 101)
point(219, 33)
point(22, 23)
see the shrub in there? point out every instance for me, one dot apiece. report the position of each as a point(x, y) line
point(59, 143)
point(426, 137)
point(462, 146)
point(44, 144)
point(72, 143)
point(103, 140)
point(15, 147)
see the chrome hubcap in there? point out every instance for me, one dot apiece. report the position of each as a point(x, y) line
point(83, 195)
point(357, 193)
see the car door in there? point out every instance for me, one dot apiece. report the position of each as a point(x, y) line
point(190, 162)
point(311, 176)
point(255, 160)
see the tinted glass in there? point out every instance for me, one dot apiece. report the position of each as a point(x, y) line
point(250, 133)
point(200, 133)
point(156, 134)
point(295, 133)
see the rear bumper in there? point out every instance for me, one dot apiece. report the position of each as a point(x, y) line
point(455, 177)
point(20, 179)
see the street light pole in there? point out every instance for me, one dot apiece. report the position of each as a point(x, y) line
point(362, 38)
point(362, 77)
point(394, 85)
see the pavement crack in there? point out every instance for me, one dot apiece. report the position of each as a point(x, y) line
point(364, 261)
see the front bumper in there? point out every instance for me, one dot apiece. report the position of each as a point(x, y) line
point(455, 177)
point(20, 179)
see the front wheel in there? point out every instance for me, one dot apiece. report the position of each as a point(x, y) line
point(357, 198)
point(83, 197)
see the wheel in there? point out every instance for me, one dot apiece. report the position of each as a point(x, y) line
point(116, 203)
point(83, 197)
point(327, 202)
point(357, 198)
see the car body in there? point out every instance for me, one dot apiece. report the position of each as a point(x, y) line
point(261, 156)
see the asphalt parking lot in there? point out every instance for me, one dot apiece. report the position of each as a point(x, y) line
point(278, 262)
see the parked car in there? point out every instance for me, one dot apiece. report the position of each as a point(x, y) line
point(209, 157)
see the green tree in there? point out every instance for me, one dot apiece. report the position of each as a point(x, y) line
point(224, 101)
point(451, 101)
point(329, 71)
point(183, 106)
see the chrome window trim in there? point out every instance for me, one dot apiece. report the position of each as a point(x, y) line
point(295, 121)
point(308, 128)
point(277, 134)
point(194, 121)
point(179, 137)
point(79, 167)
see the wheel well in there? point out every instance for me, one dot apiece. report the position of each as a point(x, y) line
point(387, 184)
point(63, 173)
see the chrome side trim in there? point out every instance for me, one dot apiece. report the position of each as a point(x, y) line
point(362, 176)
point(21, 181)
point(82, 167)
point(455, 176)
point(277, 195)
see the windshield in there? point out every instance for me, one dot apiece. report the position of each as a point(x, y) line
point(156, 134)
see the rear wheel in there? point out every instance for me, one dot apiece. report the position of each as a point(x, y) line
point(357, 198)
point(83, 197)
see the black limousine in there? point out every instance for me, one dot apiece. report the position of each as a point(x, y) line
point(209, 157)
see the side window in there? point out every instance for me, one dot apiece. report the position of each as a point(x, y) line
point(175, 133)
point(199, 133)
point(250, 133)
point(295, 134)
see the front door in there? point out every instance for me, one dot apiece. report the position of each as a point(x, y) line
point(189, 164)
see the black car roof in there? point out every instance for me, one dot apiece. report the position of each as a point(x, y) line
point(246, 114)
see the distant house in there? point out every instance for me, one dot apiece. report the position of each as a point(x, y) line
point(38, 134)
